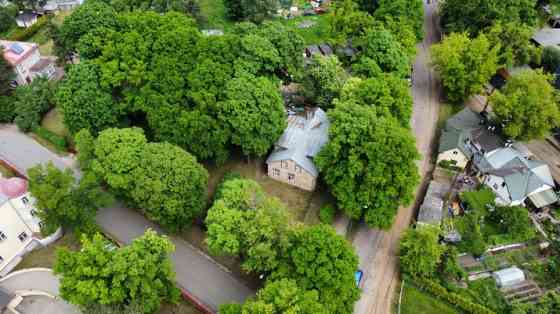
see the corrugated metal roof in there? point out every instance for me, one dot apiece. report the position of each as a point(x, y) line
point(431, 210)
point(303, 139)
point(547, 36)
point(544, 198)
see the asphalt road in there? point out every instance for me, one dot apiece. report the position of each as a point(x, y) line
point(377, 249)
point(205, 279)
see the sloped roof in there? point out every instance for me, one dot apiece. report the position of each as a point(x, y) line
point(303, 139)
point(5, 299)
point(431, 210)
point(547, 36)
point(12, 187)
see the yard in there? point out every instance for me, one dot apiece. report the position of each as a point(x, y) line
point(415, 301)
point(317, 33)
point(46, 257)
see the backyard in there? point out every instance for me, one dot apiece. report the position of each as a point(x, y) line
point(415, 301)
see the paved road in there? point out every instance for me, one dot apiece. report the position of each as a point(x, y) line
point(202, 277)
point(377, 250)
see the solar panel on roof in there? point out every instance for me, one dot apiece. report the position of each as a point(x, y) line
point(16, 48)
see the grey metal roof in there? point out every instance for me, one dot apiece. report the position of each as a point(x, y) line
point(5, 299)
point(431, 210)
point(303, 139)
point(547, 36)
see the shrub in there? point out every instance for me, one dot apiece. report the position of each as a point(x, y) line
point(449, 165)
point(7, 109)
point(22, 34)
point(58, 141)
point(326, 214)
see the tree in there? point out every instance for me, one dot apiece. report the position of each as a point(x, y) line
point(254, 111)
point(7, 109)
point(473, 16)
point(6, 77)
point(550, 59)
point(31, 102)
point(347, 21)
point(420, 253)
point(87, 18)
point(101, 274)
point(245, 222)
point(381, 46)
point(450, 266)
point(472, 238)
point(162, 179)
point(387, 94)
point(527, 106)
point(465, 64)
point(253, 10)
point(368, 163)
point(85, 145)
point(160, 6)
point(319, 259)
point(62, 202)
point(323, 80)
point(86, 104)
point(279, 297)
point(515, 43)
point(7, 18)
point(549, 303)
point(411, 11)
point(513, 221)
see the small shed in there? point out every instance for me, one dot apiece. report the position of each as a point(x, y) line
point(26, 19)
point(431, 210)
point(508, 277)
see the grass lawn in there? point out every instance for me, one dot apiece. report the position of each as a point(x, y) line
point(415, 301)
point(315, 34)
point(54, 122)
point(43, 40)
point(45, 257)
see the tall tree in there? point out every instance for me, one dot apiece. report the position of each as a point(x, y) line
point(7, 18)
point(86, 104)
point(410, 10)
point(323, 80)
point(99, 274)
point(347, 21)
point(85, 145)
point(319, 259)
point(368, 163)
point(527, 106)
point(162, 179)
point(550, 59)
point(31, 102)
point(465, 64)
point(473, 16)
point(420, 252)
point(513, 221)
point(62, 202)
point(253, 10)
point(387, 94)
point(255, 113)
point(6, 76)
point(515, 43)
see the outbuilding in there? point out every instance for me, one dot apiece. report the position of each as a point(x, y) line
point(508, 277)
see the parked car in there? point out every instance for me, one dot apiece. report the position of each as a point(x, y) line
point(358, 276)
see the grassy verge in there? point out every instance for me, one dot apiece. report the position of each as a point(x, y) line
point(6, 172)
point(316, 34)
point(415, 301)
point(183, 307)
point(47, 144)
point(46, 257)
point(54, 122)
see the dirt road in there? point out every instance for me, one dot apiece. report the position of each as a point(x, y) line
point(377, 249)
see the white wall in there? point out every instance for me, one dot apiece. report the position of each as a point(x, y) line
point(12, 226)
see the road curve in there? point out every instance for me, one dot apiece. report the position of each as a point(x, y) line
point(377, 249)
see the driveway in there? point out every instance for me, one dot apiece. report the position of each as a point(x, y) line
point(201, 277)
point(377, 249)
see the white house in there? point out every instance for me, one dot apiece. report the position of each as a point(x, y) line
point(26, 61)
point(464, 134)
point(515, 177)
point(20, 228)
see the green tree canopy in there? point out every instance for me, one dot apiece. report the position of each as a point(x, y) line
point(368, 163)
point(84, 102)
point(162, 179)
point(513, 221)
point(323, 80)
point(387, 94)
point(420, 253)
point(101, 274)
point(6, 77)
point(62, 202)
point(348, 21)
point(515, 43)
point(527, 106)
point(412, 11)
point(253, 10)
point(31, 102)
point(85, 145)
point(473, 16)
point(550, 60)
point(465, 64)
point(381, 46)
point(7, 17)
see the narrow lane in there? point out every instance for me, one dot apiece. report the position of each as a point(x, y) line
point(378, 249)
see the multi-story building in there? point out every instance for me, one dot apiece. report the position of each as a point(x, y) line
point(26, 61)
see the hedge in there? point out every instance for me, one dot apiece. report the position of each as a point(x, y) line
point(23, 34)
point(451, 297)
point(58, 141)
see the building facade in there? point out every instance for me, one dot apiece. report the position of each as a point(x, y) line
point(26, 61)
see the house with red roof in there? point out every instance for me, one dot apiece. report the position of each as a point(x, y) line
point(26, 61)
point(20, 227)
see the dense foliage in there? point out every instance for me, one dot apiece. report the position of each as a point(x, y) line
point(465, 64)
point(323, 80)
point(527, 106)
point(369, 163)
point(166, 182)
point(7, 17)
point(252, 10)
point(101, 274)
point(550, 59)
point(420, 252)
point(31, 102)
point(411, 11)
point(62, 202)
point(515, 44)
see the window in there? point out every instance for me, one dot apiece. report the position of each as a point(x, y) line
point(25, 200)
point(22, 236)
point(284, 164)
point(1, 259)
point(298, 169)
point(291, 176)
point(2, 236)
point(455, 152)
point(33, 213)
point(495, 186)
point(503, 184)
point(276, 172)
